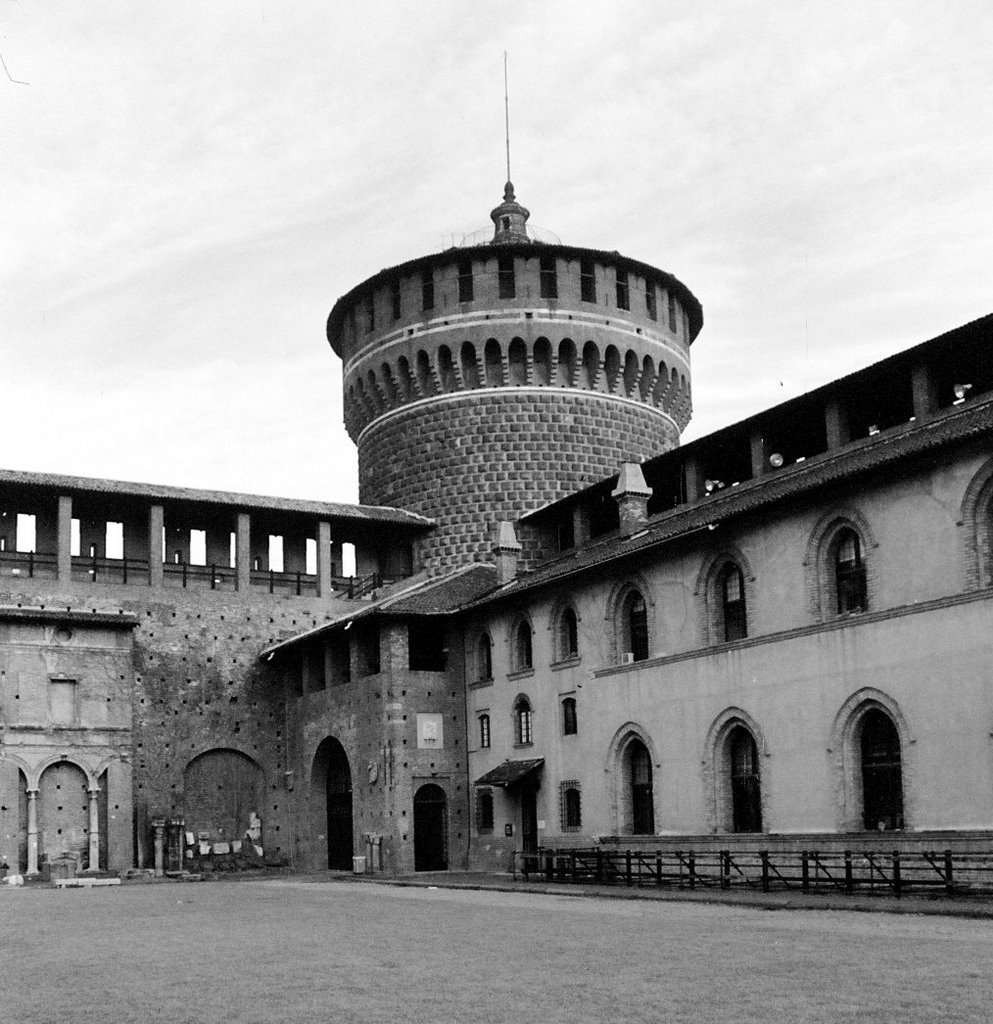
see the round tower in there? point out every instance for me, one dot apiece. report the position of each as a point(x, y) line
point(485, 381)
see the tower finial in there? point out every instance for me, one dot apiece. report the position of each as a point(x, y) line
point(506, 112)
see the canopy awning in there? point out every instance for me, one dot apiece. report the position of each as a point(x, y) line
point(511, 773)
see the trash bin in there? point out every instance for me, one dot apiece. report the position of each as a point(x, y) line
point(358, 865)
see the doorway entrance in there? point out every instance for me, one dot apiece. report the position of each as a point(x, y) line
point(331, 785)
point(529, 819)
point(430, 827)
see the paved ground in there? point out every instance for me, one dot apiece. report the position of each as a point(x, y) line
point(291, 950)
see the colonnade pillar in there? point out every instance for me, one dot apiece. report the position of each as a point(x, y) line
point(93, 862)
point(32, 832)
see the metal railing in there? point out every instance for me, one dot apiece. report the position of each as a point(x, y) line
point(850, 871)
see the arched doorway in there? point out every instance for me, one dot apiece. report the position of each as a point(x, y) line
point(746, 792)
point(430, 827)
point(64, 813)
point(641, 789)
point(331, 785)
point(882, 772)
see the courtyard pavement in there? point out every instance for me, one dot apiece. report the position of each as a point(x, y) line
point(285, 949)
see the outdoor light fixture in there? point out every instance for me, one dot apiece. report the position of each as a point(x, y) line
point(873, 429)
point(775, 460)
point(713, 485)
point(959, 391)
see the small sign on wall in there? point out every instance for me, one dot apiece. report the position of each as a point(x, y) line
point(430, 732)
point(508, 829)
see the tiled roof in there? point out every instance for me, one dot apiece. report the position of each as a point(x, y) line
point(437, 595)
point(161, 492)
point(869, 454)
point(510, 772)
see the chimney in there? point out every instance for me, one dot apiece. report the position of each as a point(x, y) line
point(506, 550)
point(632, 494)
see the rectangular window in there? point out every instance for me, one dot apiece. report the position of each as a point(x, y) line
point(427, 289)
point(570, 724)
point(426, 648)
point(465, 281)
point(367, 642)
point(672, 313)
point(650, 305)
point(587, 281)
point(395, 297)
point(484, 732)
point(567, 533)
point(549, 278)
point(484, 810)
point(570, 806)
point(622, 290)
point(505, 276)
point(62, 701)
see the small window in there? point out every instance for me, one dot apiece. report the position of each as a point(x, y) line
point(849, 570)
point(465, 281)
point(522, 646)
point(484, 810)
point(523, 731)
point(587, 281)
point(505, 275)
point(427, 288)
point(395, 298)
point(570, 724)
point(634, 627)
point(672, 313)
point(367, 642)
point(568, 638)
point(731, 590)
point(566, 533)
point(570, 806)
point(623, 301)
point(651, 306)
point(549, 278)
point(484, 657)
point(427, 649)
point(484, 731)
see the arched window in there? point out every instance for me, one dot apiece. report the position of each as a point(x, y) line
point(484, 731)
point(568, 635)
point(640, 782)
point(849, 572)
point(633, 627)
point(522, 657)
point(570, 806)
point(746, 792)
point(570, 724)
point(484, 657)
point(523, 734)
point(731, 597)
point(882, 772)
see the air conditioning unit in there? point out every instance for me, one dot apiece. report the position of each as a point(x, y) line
point(627, 658)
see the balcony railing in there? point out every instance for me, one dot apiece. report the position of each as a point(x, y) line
point(29, 564)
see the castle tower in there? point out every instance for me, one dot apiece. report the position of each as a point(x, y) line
point(484, 381)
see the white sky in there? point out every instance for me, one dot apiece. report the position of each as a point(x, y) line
point(186, 190)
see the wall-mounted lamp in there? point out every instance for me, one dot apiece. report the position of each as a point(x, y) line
point(775, 460)
point(712, 485)
point(873, 429)
point(959, 390)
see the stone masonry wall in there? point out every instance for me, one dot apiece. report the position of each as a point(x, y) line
point(470, 460)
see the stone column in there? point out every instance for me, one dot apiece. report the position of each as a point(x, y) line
point(32, 832)
point(836, 423)
point(64, 534)
point(156, 520)
point(324, 559)
point(158, 825)
point(243, 551)
point(93, 863)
